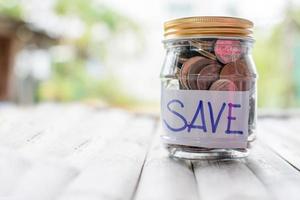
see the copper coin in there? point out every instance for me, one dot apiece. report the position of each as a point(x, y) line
point(239, 72)
point(195, 69)
point(223, 85)
point(184, 55)
point(207, 76)
point(228, 50)
point(185, 69)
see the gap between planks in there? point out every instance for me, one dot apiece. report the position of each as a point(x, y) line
point(117, 167)
point(165, 178)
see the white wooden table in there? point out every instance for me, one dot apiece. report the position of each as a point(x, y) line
point(76, 152)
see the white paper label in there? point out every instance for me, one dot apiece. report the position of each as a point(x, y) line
point(203, 118)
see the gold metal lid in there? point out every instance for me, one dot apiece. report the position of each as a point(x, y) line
point(208, 26)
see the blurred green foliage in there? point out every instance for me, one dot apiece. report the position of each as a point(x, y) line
point(275, 54)
point(11, 8)
point(92, 12)
point(276, 57)
point(69, 80)
point(268, 61)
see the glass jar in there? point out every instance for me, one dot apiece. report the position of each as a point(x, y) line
point(208, 93)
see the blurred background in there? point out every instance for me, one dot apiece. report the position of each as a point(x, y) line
point(110, 52)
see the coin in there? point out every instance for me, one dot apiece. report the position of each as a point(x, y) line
point(184, 55)
point(194, 70)
point(207, 54)
point(201, 49)
point(207, 76)
point(223, 85)
point(207, 45)
point(240, 73)
point(191, 62)
point(228, 50)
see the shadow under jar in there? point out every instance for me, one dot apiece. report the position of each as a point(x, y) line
point(208, 93)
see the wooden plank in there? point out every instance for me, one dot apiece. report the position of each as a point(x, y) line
point(62, 137)
point(108, 149)
point(281, 139)
point(27, 126)
point(107, 127)
point(287, 128)
point(293, 128)
point(44, 181)
point(219, 180)
point(10, 120)
point(48, 133)
point(281, 179)
point(12, 165)
point(19, 128)
point(74, 134)
point(165, 178)
point(107, 133)
point(12, 168)
point(114, 171)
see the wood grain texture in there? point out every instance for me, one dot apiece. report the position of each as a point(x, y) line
point(44, 180)
point(281, 138)
point(114, 171)
point(165, 178)
point(281, 179)
point(228, 180)
point(12, 169)
point(76, 152)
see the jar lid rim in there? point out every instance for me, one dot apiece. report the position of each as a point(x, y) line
point(166, 40)
point(208, 25)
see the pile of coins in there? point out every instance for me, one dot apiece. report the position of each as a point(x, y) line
point(215, 64)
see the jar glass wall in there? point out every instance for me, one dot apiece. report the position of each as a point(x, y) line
point(208, 93)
